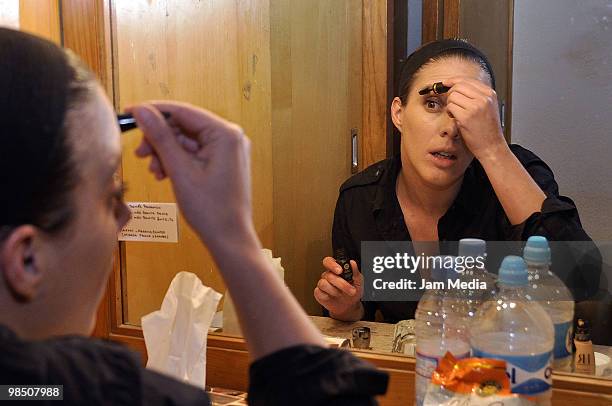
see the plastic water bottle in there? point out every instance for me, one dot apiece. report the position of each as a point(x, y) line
point(556, 299)
point(474, 248)
point(513, 328)
point(441, 326)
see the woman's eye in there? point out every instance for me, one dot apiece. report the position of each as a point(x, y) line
point(432, 104)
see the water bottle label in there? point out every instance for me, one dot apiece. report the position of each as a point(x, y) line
point(529, 375)
point(563, 340)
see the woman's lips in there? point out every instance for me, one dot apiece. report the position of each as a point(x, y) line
point(443, 159)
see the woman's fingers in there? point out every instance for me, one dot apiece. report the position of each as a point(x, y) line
point(328, 288)
point(189, 144)
point(340, 284)
point(357, 276)
point(161, 138)
point(474, 83)
point(156, 168)
point(321, 297)
point(460, 114)
point(331, 265)
point(468, 90)
point(196, 122)
point(144, 149)
point(462, 101)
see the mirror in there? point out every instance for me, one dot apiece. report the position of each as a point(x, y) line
point(292, 73)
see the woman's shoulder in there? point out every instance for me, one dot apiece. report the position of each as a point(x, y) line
point(91, 371)
point(370, 176)
point(525, 156)
point(83, 366)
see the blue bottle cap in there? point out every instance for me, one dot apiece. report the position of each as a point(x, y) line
point(443, 267)
point(537, 250)
point(472, 247)
point(513, 271)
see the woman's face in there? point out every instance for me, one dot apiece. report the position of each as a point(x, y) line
point(78, 260)
point(431, 145)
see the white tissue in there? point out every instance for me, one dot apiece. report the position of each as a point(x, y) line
point(176, 334)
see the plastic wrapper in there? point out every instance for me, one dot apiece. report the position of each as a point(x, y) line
point(471, 382)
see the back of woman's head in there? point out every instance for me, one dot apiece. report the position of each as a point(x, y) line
point(43, 87)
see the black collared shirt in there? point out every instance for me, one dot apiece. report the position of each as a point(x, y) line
point(368, 210)
point(97, 372)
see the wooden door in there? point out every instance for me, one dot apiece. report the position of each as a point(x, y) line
point(489, 26)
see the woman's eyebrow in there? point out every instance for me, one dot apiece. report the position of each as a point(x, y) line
point(436, 88)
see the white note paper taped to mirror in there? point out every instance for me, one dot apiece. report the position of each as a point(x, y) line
point(152, 222)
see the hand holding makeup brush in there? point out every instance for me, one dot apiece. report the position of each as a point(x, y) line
point(208, 160)
point(475, 108)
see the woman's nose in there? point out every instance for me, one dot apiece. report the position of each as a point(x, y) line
point(449, 126)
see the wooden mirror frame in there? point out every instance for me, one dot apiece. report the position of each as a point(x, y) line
point(86, 27)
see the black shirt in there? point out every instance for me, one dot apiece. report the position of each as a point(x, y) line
point(368, 210)
point(97, 372)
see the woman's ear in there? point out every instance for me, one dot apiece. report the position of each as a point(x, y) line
point(396, 112)
point(18, 263)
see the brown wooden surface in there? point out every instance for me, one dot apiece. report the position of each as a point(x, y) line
point(452, 19)
point(431, 20)
point(83, 28)
point(316, 100)
point(375, 83)
point(40, 17)
point(221, 60)
point(227, 367)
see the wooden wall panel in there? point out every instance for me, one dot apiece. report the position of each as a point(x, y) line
point(316, 100)
point(375, 83)
point(212, 54)
point(431, 17)
point(41, 17)
point(83, 27)
point(452, 21)
point(227, 365)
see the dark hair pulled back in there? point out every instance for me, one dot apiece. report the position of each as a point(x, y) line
point(436, 51)
point(40, 84)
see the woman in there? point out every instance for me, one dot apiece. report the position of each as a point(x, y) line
point(60, 213)
point(455, 178)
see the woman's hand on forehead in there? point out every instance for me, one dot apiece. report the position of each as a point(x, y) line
point(455, 80)
point(474, 106)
